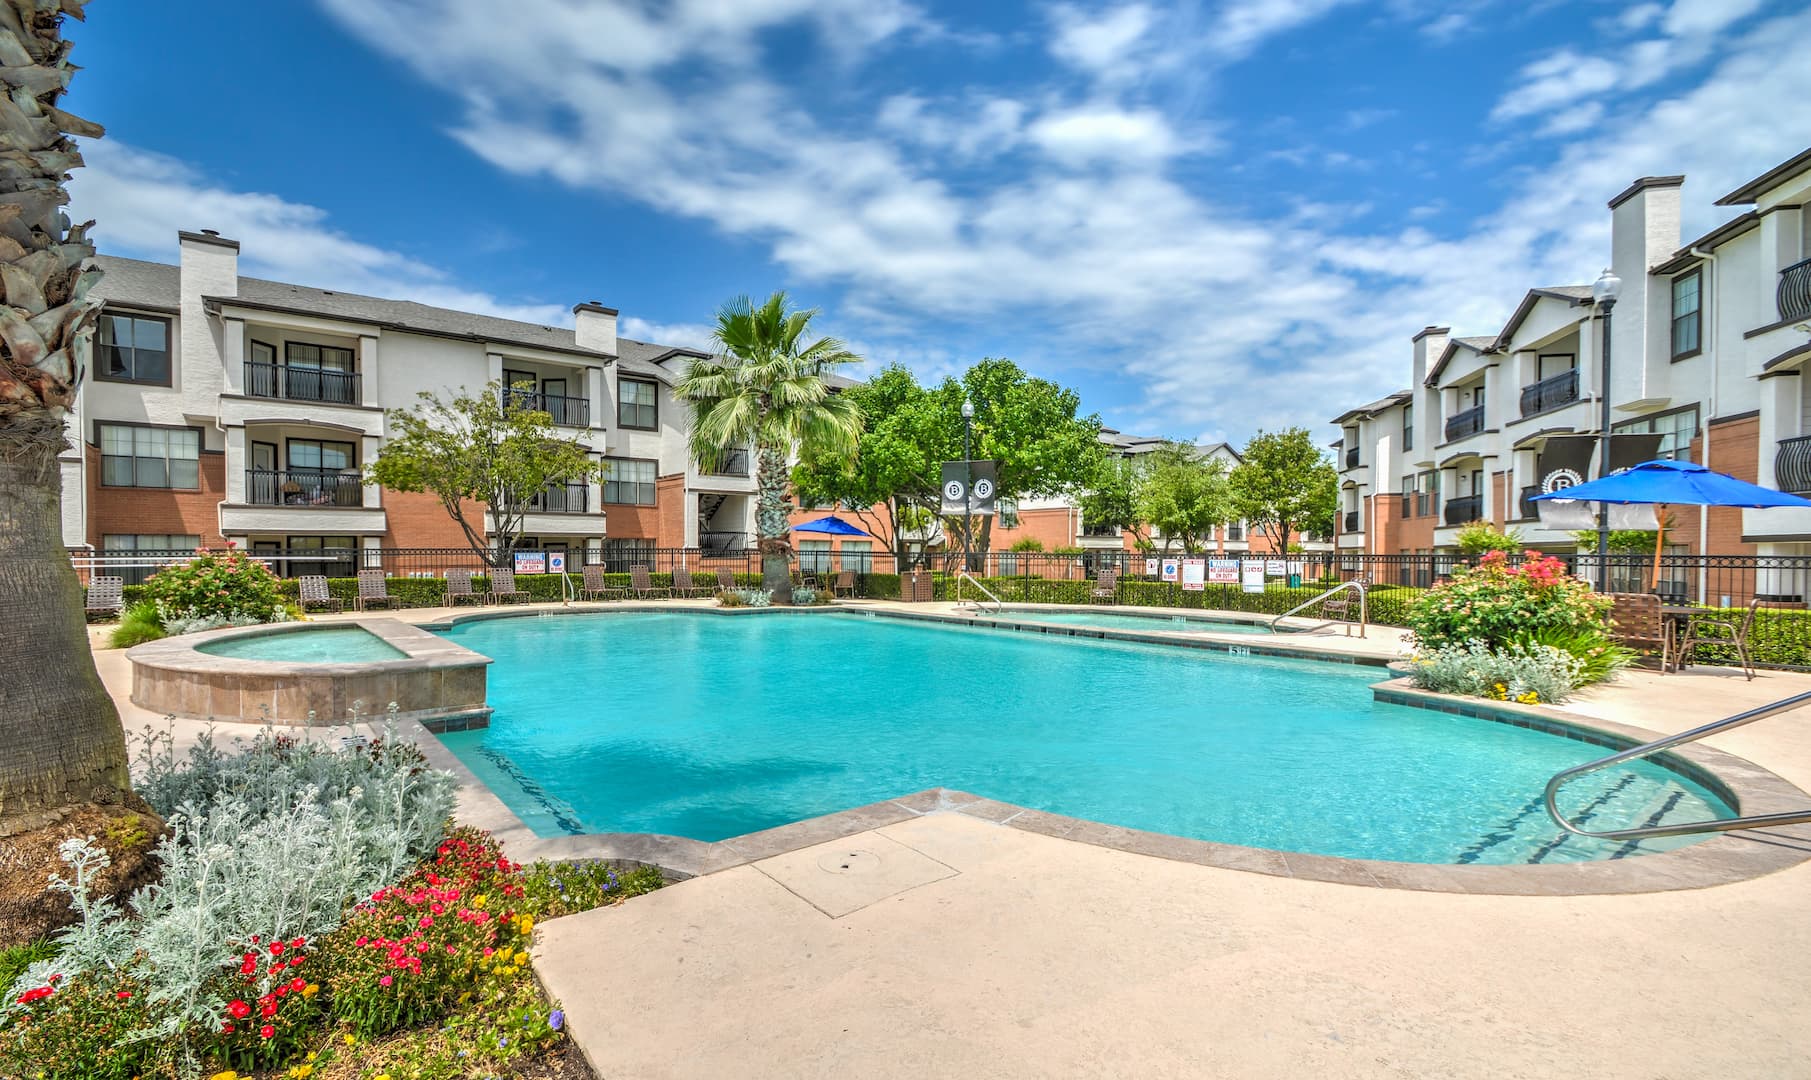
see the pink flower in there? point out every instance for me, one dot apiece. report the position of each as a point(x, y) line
point(385, 981)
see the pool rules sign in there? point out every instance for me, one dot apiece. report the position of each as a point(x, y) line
point(970, 487)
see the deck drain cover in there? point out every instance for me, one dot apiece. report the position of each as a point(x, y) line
point(848, 862)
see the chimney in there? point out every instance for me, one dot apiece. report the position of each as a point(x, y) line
point(209, 266)
point(1644, 232)
point(594, 327)
point(1428, 345)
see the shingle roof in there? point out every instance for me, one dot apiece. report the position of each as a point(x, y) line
point(1375, 407)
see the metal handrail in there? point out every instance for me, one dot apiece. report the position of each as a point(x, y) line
point(1753, 821)
point(960, 574)
point(1364, 609)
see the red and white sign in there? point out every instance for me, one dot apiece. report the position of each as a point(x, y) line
point(1193, 571)
point(1223, 571)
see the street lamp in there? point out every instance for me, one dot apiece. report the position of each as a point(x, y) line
point(968, 482)
point(1604, 291)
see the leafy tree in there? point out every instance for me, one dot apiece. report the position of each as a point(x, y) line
point(767, 388)
point(1481, 536)
point(1112, 499)
point(1183, 495)
point(60, 739)
point(1285, 485)
point(477, 453)
point(1626, 541)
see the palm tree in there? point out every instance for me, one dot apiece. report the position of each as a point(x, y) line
point(768, 389)
point(60, 738)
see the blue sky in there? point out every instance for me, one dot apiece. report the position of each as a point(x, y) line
point(1209, 217)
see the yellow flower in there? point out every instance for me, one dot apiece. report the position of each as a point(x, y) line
point(312, 1055)
point(478, 901)
point(227, 1075)
point(465, 997)
point(527, 924)
point(309, 991)
point(302, 1072)
point(351, 1039)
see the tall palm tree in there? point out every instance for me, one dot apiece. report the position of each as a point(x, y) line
point(766, 388)
point(60, 738)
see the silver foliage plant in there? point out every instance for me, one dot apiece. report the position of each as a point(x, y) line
point(273, 839)
point(1476, 669)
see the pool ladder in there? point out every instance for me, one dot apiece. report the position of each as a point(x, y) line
point(1364, 610)
point(1752, 821)
point(962, 575)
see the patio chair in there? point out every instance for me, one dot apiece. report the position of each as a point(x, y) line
point(503, 587)
point(1106, 587)
point(594, 587)
point(642, 586)
point(1727, 632)
point(726, 580)
point(683, 585)
point(106, 596)
point(845, 585)
point(459, 588)
point(1636, 622)
point(313, 592)
point(374, 590)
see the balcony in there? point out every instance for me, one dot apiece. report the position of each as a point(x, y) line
point(717, 540)
point(566, 411)
point(731, 463)
point(1351, 457)
point(290, 383)
point(1795, 291)
point(1526, 504)
point(1464, 510)
point(570, 498)
point(304, 488)
point(1550, 393)
point(1469, 422)
point(1351, 523)
point(1792, 465)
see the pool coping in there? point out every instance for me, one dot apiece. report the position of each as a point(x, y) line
point(1721, 859)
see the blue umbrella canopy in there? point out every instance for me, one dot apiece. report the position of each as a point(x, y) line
point(835, 526)
point(1681, 483)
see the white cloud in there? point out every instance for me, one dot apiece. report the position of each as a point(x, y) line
point(1239, 27)
point(1688, 17)
point(688, 335)
point(1552, 82)
point(1094, 132)
point(1099, 42)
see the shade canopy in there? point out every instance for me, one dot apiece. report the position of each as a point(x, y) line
point(835, 526)
point(1676, 483)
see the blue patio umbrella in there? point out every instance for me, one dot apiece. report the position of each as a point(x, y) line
point(835, 526)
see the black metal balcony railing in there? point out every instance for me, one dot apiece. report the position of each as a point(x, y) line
point(566, 411)
point(719, 540)
point(1528, 508)
point(1461, 424)
point(1464, 510)
point(1351, 521)
point(1550, 393)
point(304, 488)
point(1792, 465)
point(732, 463)
point(1795, 291)
point(1351, 457)
point(570, 498)
point(301, 383)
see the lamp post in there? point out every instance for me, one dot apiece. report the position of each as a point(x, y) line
point(968, 481)
point(1604, 290)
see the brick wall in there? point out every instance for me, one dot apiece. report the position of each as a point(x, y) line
point(157, 511)
point(417, 520)
point(670, 501)
point(1054, 528)
point(1734, 449)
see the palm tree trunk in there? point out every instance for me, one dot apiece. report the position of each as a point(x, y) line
point(773, 523)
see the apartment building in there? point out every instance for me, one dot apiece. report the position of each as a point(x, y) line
point(221, 407)
point(1707, 343)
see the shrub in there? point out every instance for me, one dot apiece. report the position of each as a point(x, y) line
point(1599, 659)
point(554, 889)
point(1526, 674)
point(752, 598)
point(1481, 537)
point(217, 583)
point(1495, 602)
point(805, 597)
point(1028, 543)
point(139, 624)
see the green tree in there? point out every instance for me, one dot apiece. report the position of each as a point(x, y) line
point(1481, 536)
point(1112, 502)
point(475, 453)
point(767, 388)
point(1285, 485)
point(1183, 495)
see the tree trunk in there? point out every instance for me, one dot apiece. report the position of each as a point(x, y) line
point(773, 523)
point(60, 736)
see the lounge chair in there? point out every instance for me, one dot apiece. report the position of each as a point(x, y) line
point(313, 592)
point(683, 585)
point(374, 590)
point(106, 596)
point(594, 587)
point(459, 587)
point(503, 587)
point(1727, 632)
point(845, 585)
point(1106, 587)
point(1636, 622)
point(642, 586)
point(726, 580)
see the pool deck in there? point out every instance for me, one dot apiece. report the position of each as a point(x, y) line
point(929, 940)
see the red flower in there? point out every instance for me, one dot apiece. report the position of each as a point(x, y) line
point(123, 994)
point(239, 1009)
point(297, 984)
point(269, 1010)
point(226, 1028)
point(276, 948)
point(266, 1031)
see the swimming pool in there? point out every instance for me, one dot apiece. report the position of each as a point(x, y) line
point(708, 727)
point(328, 645)
point(1175, 624)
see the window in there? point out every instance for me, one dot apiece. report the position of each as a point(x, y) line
point(814, 556)
point(333, 556)
point(121, 546)
point(858, 555)
point(319, 455)
point(1408, 495)
point(303, 354)
point(1408, 427)
point(133, 348)
point(621, 554)
point(1687, 314)
point(629, 481)
point(151, 457)
point(1677, 429)
point(636, 404)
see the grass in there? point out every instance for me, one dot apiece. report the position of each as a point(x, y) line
point(140, 623)
point(14, 960)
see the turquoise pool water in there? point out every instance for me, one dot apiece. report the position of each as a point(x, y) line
point(328, 645)
point(708, 727)
point(1167, 623)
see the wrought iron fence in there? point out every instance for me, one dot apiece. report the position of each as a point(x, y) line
point(1794, 294)
point(294, 383)
point(326, 488)
point(1461, 424)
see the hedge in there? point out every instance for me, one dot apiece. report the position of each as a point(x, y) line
point(431, 591)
